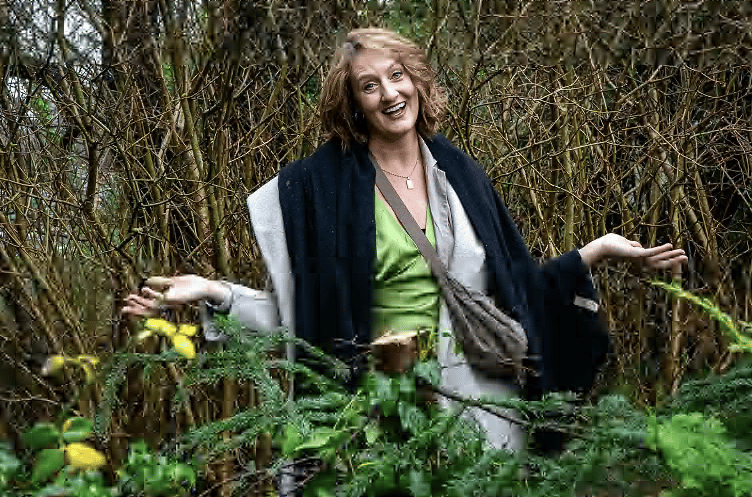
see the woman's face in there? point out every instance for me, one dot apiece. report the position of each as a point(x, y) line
point(384, 93)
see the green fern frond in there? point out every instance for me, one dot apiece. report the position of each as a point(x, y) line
point(730, 328)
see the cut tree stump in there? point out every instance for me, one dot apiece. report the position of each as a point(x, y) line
point(394, 354)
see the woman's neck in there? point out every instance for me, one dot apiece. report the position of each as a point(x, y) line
point(398, 156)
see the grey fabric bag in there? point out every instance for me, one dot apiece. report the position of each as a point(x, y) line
point(493, 343)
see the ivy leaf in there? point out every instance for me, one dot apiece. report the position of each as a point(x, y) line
point(318, 439)
point(42, 435)
point(407, 386)
point(429, 371)
point(384, 394)
point(419, 486)
point(412, 418)
point(372, 432)
point(322, 485)
point(292, 440)
point(9, 465)
point(77, 429)
point(49, 462)
point(181, 475)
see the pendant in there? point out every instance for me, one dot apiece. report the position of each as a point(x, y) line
point(409, 183)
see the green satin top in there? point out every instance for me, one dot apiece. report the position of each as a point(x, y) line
point(405, 293)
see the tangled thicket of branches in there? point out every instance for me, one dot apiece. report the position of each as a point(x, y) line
point(131, 133)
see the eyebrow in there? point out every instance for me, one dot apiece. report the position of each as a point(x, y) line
point(365, 74)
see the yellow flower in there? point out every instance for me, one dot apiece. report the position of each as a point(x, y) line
point(84, 457)
point(188, 330)
point(160, 326)
point(87, 363)
point(53, 364)
point(178, 334)
point(86, 358)
point(184, 346)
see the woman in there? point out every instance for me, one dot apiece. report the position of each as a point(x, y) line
point(343, 269)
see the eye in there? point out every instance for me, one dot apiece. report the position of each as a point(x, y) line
point(369, 87)
point(397, 74)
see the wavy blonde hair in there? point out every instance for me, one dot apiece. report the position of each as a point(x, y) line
point(337, 103)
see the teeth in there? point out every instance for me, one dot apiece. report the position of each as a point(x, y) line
point(395, 108)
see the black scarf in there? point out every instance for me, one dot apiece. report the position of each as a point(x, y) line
point(327, 206)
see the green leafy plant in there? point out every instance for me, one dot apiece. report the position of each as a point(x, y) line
point(9, 466)
point(736, 331)
point(65, 466)
point(384, 438)
point(78, 484)
point(154, 475)
point(53, 446)
point(388, 436)
point(698, 451)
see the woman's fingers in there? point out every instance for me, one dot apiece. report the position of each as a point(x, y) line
point(153, 295)
point(655, 251)
point(158, 292)
point(667, 259)
point(159, 282)
point(668, 254)
point(661, 257)
point(140, 306)
point(135, 310)
point(174, 290)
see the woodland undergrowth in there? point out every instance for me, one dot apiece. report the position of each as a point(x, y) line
point(386, 435)
point(389, 437)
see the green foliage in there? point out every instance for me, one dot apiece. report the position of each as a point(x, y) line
point(698, 452)
point(384, 438)
point(78, 484)
point(147, 473)
point(50, 443)
point(410, 19)
point(388, 436)
point(727, 397)
point(740, 342)
point(169, 76)
point(42, 108)
point(606, 452)
point(48, 462)
point(143, 474)
point(64, 466)
point(9, 466)
point(77, 429)
point(41, 436)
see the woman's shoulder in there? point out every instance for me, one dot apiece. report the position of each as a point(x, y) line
point(454, 162)
point(327, 155)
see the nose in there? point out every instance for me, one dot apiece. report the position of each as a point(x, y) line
point(389, 91)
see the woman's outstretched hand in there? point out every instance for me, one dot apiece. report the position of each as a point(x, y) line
point(173, 291)
point(613, 246)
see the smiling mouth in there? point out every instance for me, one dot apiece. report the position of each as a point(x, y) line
point(395, 108)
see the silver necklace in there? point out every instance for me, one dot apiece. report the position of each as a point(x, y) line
point(408, 181)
